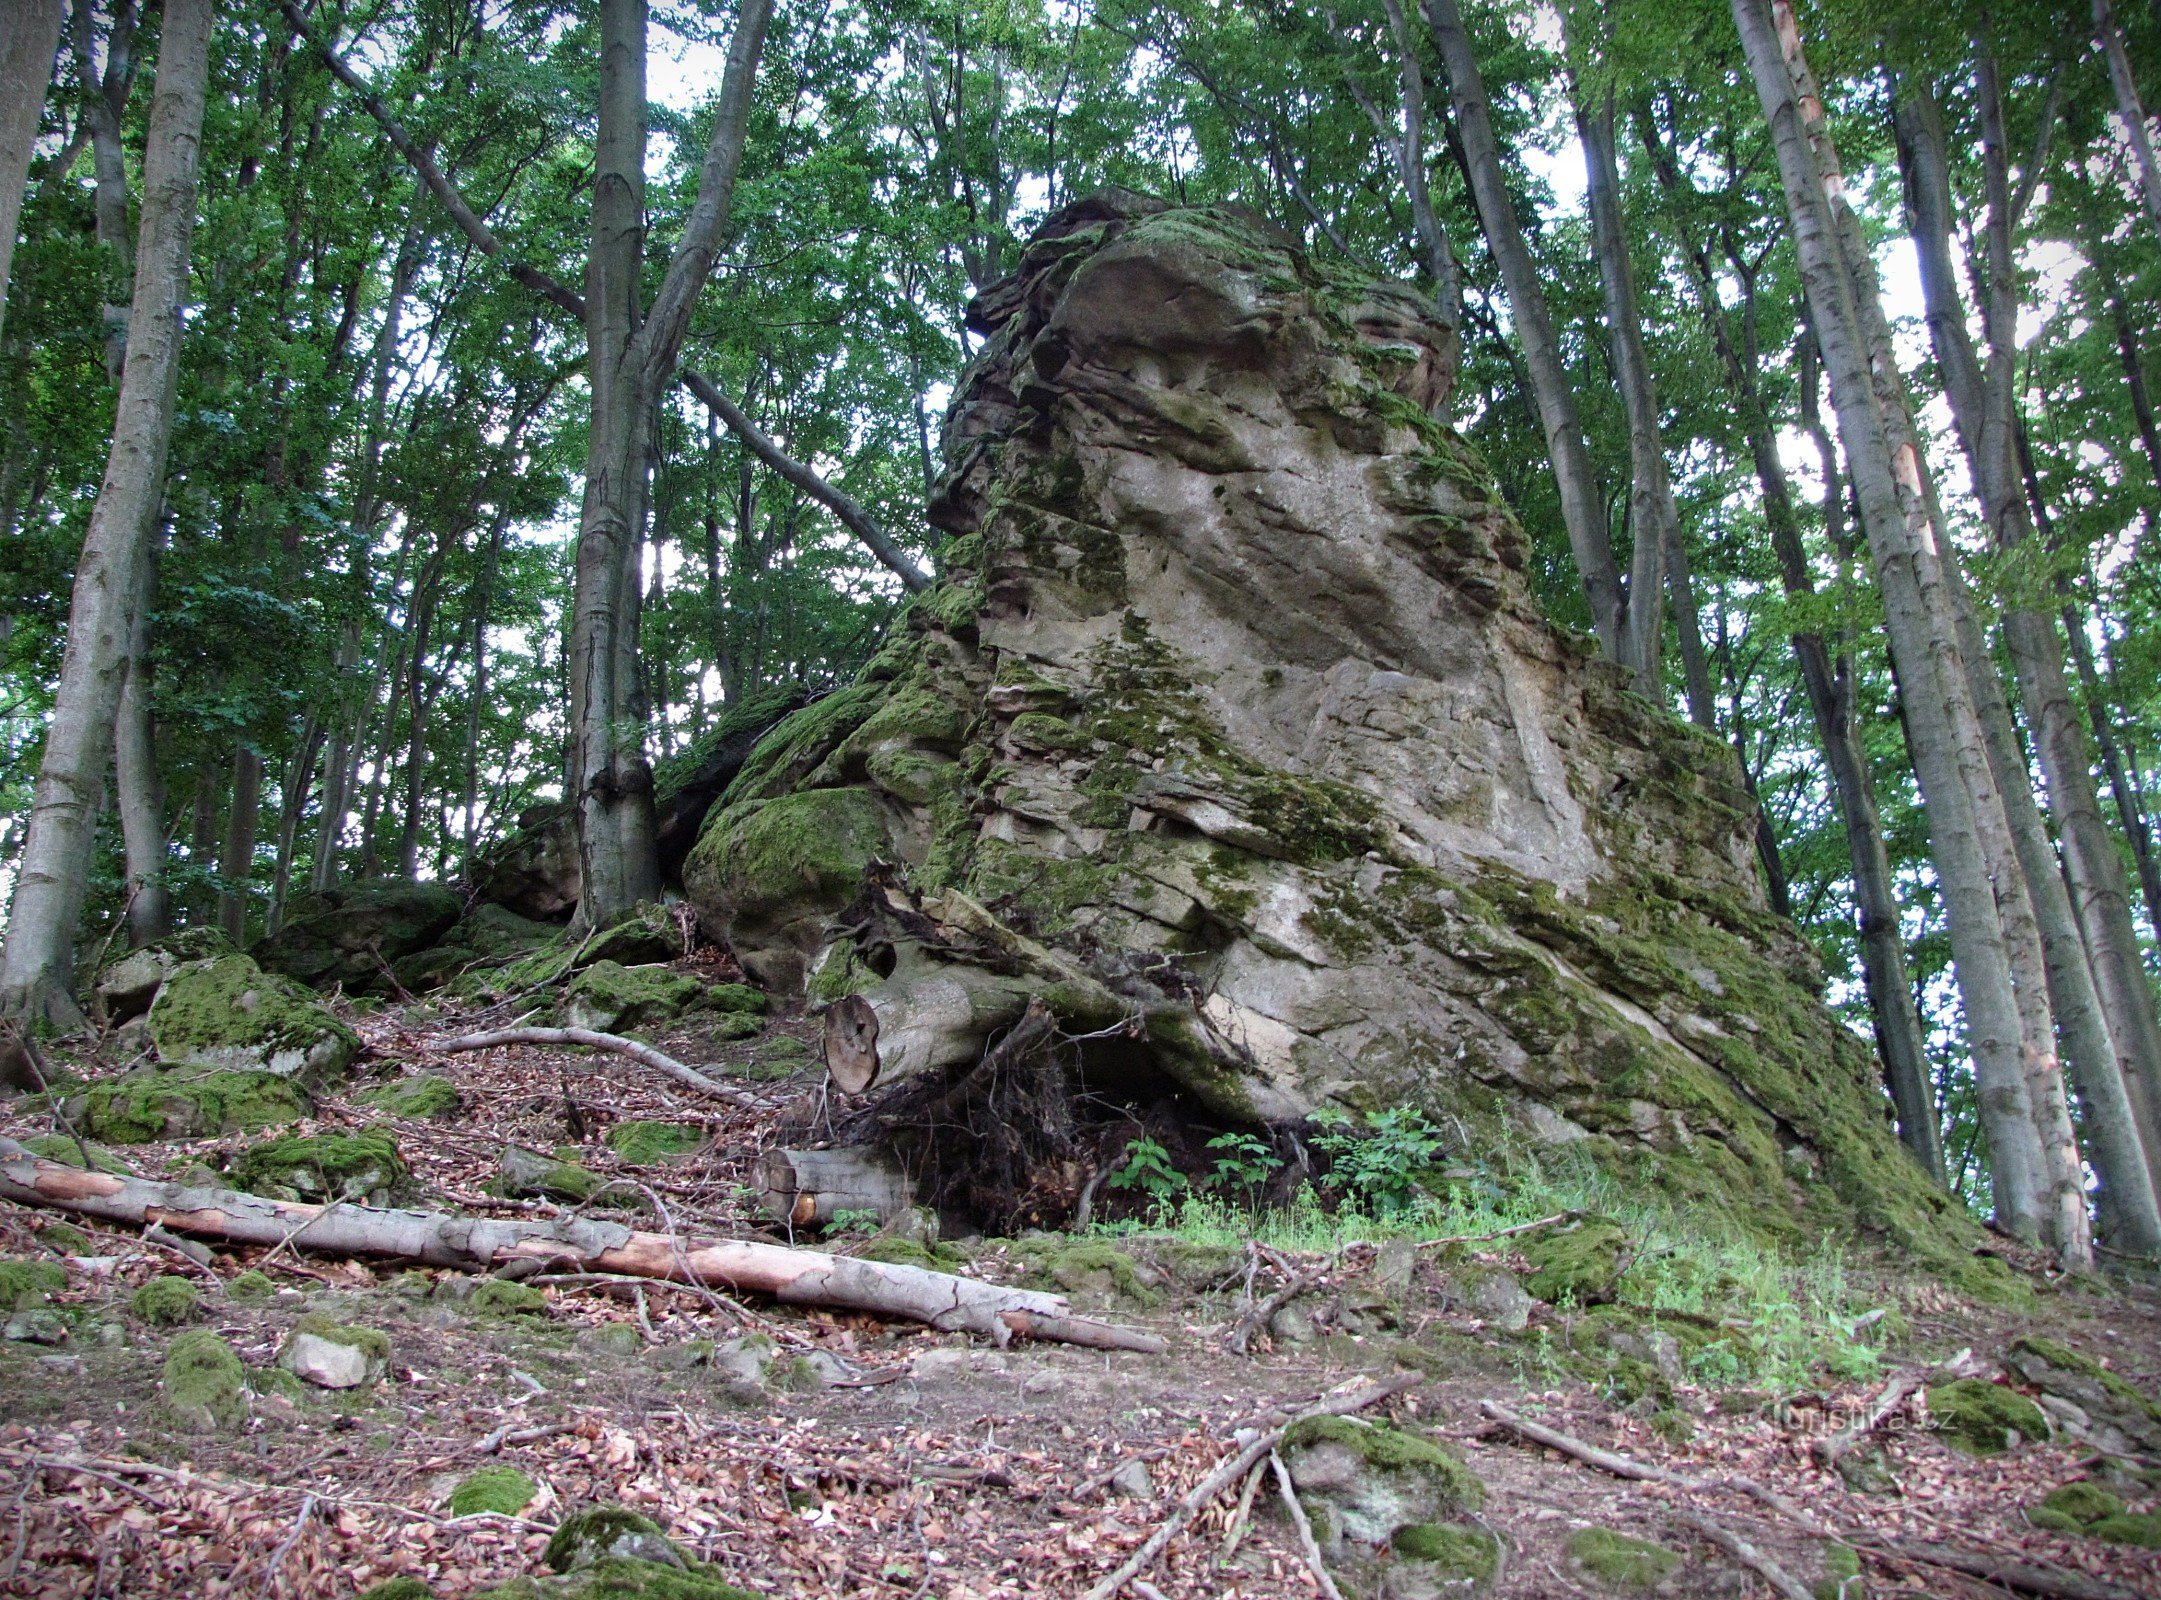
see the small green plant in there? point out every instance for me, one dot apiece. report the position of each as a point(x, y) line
point(849, 1222)
point(1380, 1167)
point(1244, 1162)
point(1147, 1167)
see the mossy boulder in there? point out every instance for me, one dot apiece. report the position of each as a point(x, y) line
point(609, 997)
point(2142, 1528)
point(740, 997)
point(1581, 1263)
point(251, 1285)
point(352, 933)
point(733, 1025)
point(2120, 1418)
point(1984, 1418)
point(397, 1589)
point(166, 1301)
point(616, 1579)
point(2074, 1508)
point(179, 1104)
point(64, 1237)
point(230, 1014)
point(497, 933)
point(334, 1355)
point(362, 1166)
point(425, 971)
point(416, 1096)
point(499, 1297)
point(500, 1489)
point(527, 1174)
point(602, 1533)
point(1619, 1562)
point(646, 934)
point(205, 1384)
point(1443, 1558)
point(645, 1144)
point(26, 1285)
point(62, 1148)
point(1371, 1478)
point(126, 985)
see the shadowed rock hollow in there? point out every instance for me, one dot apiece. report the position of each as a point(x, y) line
point(1233, 717)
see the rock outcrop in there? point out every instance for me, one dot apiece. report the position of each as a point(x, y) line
point(1233, 719)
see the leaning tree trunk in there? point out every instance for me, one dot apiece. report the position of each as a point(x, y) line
point(36, 976)
point(628, 362)
point(1949, 758)
point(1581, 509)
point(105, 96)
point(136, 781)
point(2103, 1042)
point(29, 39)
point(2129, 107)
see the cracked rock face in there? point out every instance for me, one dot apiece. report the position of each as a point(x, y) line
point(1234, 703)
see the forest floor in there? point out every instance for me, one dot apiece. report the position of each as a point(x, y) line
point(877, 1459)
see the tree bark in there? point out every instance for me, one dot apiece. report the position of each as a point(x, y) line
point(1827, 680)
point(1654, 518)
point(2128, 106)
point(236, 857)
point(480, 1244)
point(1950, 757)
point(105, 106)
point(1581, 509)
point(137, 783)
point(628, 362)
point(29, 42)
point(2108, 1026)
point(809, 1188)
point(36, 975)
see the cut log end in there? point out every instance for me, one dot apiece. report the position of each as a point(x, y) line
point(851, 1044)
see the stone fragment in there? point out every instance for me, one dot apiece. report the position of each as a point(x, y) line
point(1493, 1295)
point(324, 1362)
point(2117, 1416)
point(1133, 1481)
point(41, 1325)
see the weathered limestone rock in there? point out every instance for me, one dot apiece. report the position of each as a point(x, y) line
point(229, 1013)
point(609, 997)
point(352, 934)
point(1233, 714)
point(535, 871)
point(142, 1107)
point(333, 1355)
point(363, 1166)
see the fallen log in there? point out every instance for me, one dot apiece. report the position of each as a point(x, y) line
point(691, 1077)
point(482, 1244)
point(809, 1188)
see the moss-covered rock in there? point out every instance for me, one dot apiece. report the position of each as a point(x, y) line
point(609, 997)
point(526, 1174)
point(1581, 1263)
point(2140, 1528)
point(65, 1238)
point(397, 1589)
point(732, 1025)
point(416, 1096)
point(334, 1355)
point(62, 1148)
point(499, 1297)
point(2074, 1508)
point(1841, 1578)
point(1451, 1556)
point(25, 1285)
point(166, 1301)
point(251, 1285)
point(147, 1106)
point(1984, 1418)
point(1373, 1478)
point(736, 997)
point(497, 933)
point(645, 935)
point(1620, 1562)
point(2121, 1419)
point(352, 933)
point(230, 1014)
point(362, 1166)
point(647, 1144)
point(205, 1384)
point(500, 1489)
point(615, 1579)
point(601, 1533)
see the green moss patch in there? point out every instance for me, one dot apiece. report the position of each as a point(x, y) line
point(608, 996)
point(398, 1589)
point(646, 1144)
point(422, 1095)
point(64, 1237)
point(361, 1166)
point(1582, 1263)
point(205, 1384)
point(1984, 1418)
point(62, 1148)
point(229, 1013)
point(605, 1532)
point(736, 997)
point(2142, 1529)
point(1621, 1562)
point(499, 1297)
point(500, 1489)
point(144, 1107)
point(1452, 1552)
point(165, 1301)
point(251, 1285)
point(1089, 1266)
point(25, 1285)
point(618, 1579)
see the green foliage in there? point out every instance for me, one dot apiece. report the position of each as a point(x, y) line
point(1147, 1168)
point(1379, 1167)
point(1244, 1162)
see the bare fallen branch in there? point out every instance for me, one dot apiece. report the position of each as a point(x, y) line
point(1555, 1220)
point(483, 1244)
point(1828, 1450)
point(691, 1077)
point(1233, 1470)
point(1780, 1580)
point(1308, 1546)
point(1256, 1317)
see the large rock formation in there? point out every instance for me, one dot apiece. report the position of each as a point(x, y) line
point(1233, 717)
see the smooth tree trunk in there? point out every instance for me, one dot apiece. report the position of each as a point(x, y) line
point(631, 357)
point(1950, 757)
point(1827, 678)
point(37, 970)
point(105, 107)
point(2129, 107)
point(29, 41)
point(2098, 988)
point(137, 783)
point(236, 856)
point(1582, 511)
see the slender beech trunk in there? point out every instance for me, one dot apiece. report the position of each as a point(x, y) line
point(2013, 1071)
point(1652, 514)
point(628, 362)
point(36, 976)
point(236, 857)
point(139, 788)
point(2134, 377)
point(29, 40)
point(1827, 678)
point(2128, 107)
point(2096, 981)
point(419, 702)
point(2123, 784)
point(483, 600)
point(292, 805)
point(105, 108)
point(1581, 509)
